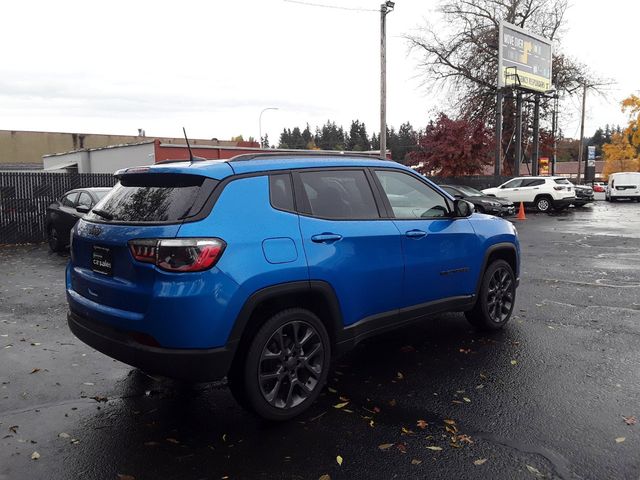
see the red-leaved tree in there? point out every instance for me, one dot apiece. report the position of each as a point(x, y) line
point(451, 148)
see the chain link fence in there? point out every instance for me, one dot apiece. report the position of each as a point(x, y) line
point(25, 196)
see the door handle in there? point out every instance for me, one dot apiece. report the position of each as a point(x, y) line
point(326, 238)
point(415, 233)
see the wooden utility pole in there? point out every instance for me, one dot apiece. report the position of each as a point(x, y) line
point(384, 9)
point(584, 101)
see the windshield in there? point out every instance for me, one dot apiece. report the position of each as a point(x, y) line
point(470, 192)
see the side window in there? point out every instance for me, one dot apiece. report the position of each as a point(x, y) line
point(281, 192)
point(513, 183)
point(339, 194)
point(410, 198)
point(533, 182)
point(69, 200)
point(84, 199)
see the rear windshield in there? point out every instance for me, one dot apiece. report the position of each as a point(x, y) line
point(149, 198)
point(561, 181)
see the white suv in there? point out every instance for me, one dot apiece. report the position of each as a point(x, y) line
point(543, 193)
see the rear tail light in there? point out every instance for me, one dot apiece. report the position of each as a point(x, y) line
point(179, 254)
point(558, 188)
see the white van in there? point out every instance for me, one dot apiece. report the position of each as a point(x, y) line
point(623, 185)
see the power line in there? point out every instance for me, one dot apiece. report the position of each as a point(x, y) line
point(336, 7)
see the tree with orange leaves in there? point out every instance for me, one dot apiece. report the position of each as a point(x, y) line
point(623, 153)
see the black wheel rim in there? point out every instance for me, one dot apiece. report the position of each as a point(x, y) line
point(291, 364)
point(500, 295)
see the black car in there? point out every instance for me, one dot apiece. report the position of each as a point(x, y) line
point(584, 195)
point(63, 214)
point(483, 203)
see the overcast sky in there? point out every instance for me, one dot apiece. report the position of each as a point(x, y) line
point(212, 66)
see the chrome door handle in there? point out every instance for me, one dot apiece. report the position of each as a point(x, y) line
point(326, 238)
point(415, 233)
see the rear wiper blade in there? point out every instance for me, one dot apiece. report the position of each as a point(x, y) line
point(103, 214)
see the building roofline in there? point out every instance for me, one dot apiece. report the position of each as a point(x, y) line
point(108, 147)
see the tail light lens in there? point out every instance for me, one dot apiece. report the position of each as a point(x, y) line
point(558, 188)
point(178, 254)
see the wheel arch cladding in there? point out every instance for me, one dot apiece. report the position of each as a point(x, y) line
point(315, 296)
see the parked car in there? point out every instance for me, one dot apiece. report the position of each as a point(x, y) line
point(263, 267)
point(543, 193)
point(482, 203)
point(599, 187)
point(584, 195)
point(623, 185)
point(63, 214)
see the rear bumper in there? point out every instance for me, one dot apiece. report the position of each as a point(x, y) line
point(196, 365)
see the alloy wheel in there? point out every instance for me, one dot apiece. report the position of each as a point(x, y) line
point(500, 295)
point(291, 365)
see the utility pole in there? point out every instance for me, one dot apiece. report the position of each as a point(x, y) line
point(385, 8)
point(554, 127)
point(584, 101)
point(498, 164)
point(518, 133)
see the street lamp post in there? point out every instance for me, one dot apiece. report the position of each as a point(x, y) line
point(260, 121)
point(385, 8)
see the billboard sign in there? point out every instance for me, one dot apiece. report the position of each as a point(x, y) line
point(591, 152)
point(526, 54)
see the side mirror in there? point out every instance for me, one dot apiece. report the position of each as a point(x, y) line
point(82, 209)
point(462, 208)
point(458, 196)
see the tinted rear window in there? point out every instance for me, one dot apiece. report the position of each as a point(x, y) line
point(150, 198)
point(561, 181)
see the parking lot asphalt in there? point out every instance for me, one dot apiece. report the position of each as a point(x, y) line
point(554, 395)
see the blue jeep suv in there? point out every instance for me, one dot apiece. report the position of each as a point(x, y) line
point(263, 268)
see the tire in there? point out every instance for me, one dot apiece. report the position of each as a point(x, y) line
point(53, 238)
point(285, 366)
point(496, 298)
point(543, 204)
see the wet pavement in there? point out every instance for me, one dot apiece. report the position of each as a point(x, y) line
point(545, 398)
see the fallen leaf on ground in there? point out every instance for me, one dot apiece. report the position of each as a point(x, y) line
point(631, 420)
point(434, 448)
point(392, 403)
point(376, 409)
point(402, 447)
point(341, 405)
point(416, 461)
point(407, 431)
point(422, 424)
point(126, 477)
point(64, 435)
point(35, 456)
point(465, 350)
point(533, 470)
point(449, 421)
point(14, 428)
point(371, 423)
point(35, 370)
point(385, 446)
point(466, 399)
point(464, 438)
point(332, 390)
point(514, 362)
point(620, 439)
point(89, 384)
point(399, 376)
point(339, 460)
point(324, 477)
point(172, 440)
point(479, 461)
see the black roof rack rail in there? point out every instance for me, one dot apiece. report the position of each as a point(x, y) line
point(195, 160)
point(319, 154)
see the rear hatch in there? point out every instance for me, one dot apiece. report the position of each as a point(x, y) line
point(142, 206)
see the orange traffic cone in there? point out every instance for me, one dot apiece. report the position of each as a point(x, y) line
point(521, 215)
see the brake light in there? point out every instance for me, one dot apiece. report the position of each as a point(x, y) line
point(179, 254)
point(558, 188)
